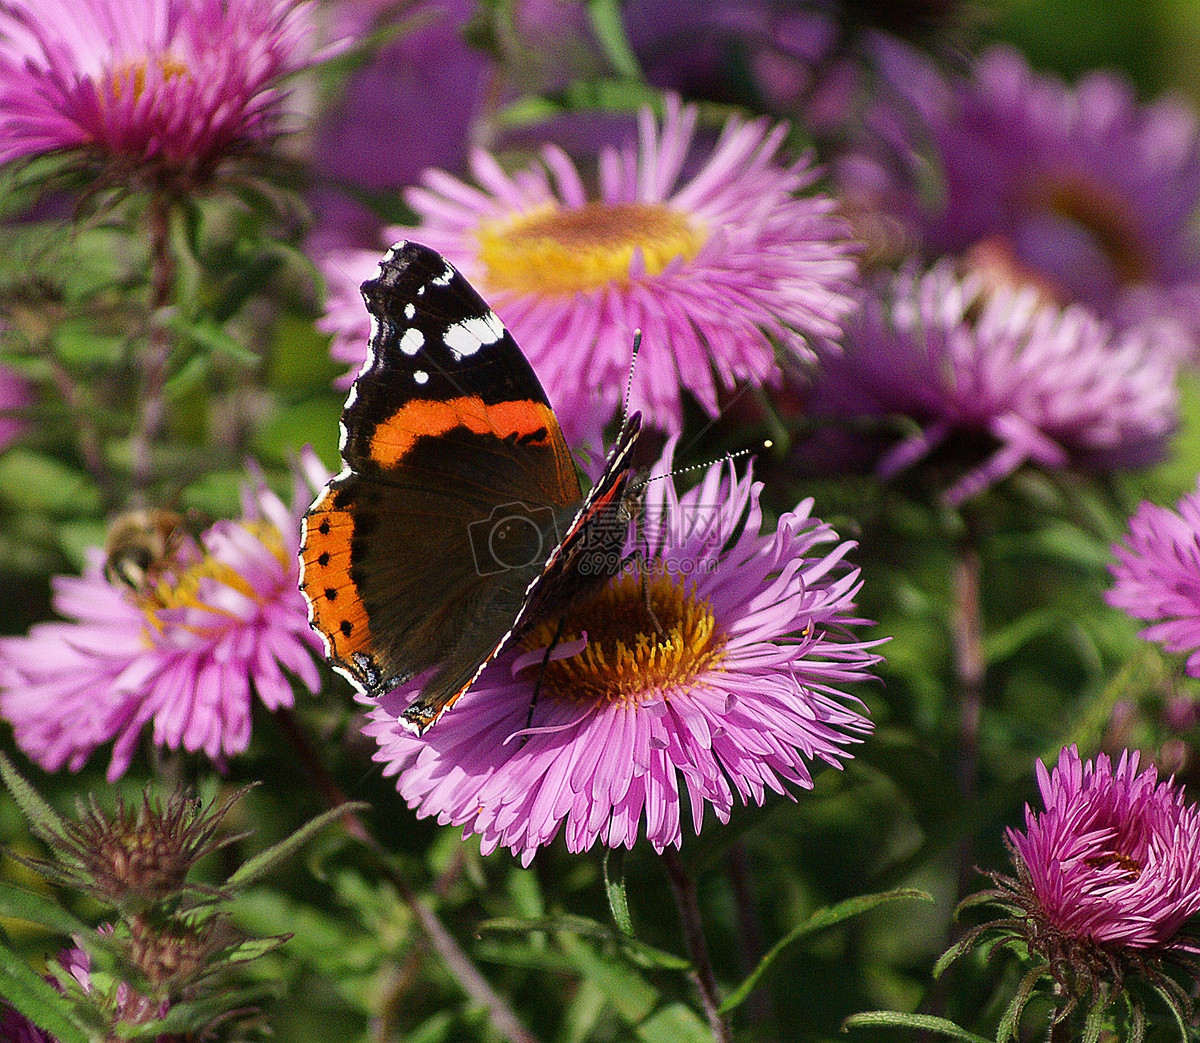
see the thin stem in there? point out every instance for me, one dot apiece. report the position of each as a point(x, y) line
point(457, 962)
point(967, 627)
point(684, 890)
point(156, 353)
point(86, 435)
point(750, 939)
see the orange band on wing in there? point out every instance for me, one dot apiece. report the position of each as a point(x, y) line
point(335, 606)
point(394, 438)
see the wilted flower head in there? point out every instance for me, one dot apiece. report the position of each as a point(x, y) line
point(135, 857)
point(187, 651)
point(736, 694)
point(712, 265)
point(1050, 386)
point(166, 87)
point(1158, 575)
point(1079, 190)
point(1107, 875)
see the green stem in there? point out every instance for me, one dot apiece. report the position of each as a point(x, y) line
point(684, 890)
point(969, 668)
point(457, 962)
point(156, 352)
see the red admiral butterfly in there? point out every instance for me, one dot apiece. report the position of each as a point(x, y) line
point(458, 522)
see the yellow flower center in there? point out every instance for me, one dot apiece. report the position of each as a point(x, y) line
point(553, 250)
point(627, 659)
point(168, 65)
point(181, 589)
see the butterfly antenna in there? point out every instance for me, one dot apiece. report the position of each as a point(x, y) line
point(637, 344)
point(767, 444)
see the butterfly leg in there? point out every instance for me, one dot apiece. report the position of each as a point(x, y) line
point(537, 685)
point(641, 561)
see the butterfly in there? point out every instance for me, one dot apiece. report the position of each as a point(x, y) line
point(458, 522)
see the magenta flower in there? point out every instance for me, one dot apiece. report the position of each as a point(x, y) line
point(15, 395)
point(1107, 876)
point(426, 85)
point(174, 85)
point(1158, 575)
point(187, 652)
point(16, 1028)
point(1049, 386)
point(1078, 189)
point(712, 266)
point(1115, 857)
point(737, 696)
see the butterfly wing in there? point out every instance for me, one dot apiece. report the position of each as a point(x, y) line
point(420, 552)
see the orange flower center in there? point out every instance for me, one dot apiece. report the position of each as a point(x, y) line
point(133, 74)
point(628, 658)
point(182, 589)
point(553, 250)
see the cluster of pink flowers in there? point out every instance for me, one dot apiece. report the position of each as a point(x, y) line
point(187, 653)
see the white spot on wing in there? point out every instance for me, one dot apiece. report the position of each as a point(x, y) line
point(444, 278)
point(412, 341)
point(410, 310)
point(421, 377)
point(480, 331)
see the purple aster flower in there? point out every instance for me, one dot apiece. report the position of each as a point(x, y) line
point(1107, 875)
point(424, 86)
point(1158, 575)
point(1086, 192)
point(1050, 386)
point(216, 624)
point(806, 59)
point(169, 85)
point(713, 267)
point(16, 1028)
point(737, 695)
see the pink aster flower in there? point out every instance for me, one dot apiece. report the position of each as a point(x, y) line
point(1079, 188)
point(1049, 386)
point(214, 625)
point(1115, 857)
point(1158, 575)
point(1107, 876)
point(737, 695)
point(174, 85)
point(714, 266)
point(15, 395)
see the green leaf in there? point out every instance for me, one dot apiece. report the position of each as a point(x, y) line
point(39, 484)
point(631, 996)
point(265, 861)
point(639, 952)
point(609, 28)
point(34, 997)
point(45, 820)
point(614, 890)
point(26, 905)
point(78, 343)
point(819, 920)
point(921, 1022)
point(674, 1023)
point(211, 336)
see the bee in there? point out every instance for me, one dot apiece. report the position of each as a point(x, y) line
point(141, 546)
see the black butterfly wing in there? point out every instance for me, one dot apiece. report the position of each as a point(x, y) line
point(420, 552)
